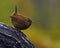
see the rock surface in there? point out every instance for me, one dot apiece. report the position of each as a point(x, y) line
point(12, 38)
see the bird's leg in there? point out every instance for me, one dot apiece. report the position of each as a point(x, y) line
point(17, 29)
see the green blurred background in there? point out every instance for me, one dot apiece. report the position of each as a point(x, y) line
point(45, 14)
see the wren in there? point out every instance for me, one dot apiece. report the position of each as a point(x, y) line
point(20, 21)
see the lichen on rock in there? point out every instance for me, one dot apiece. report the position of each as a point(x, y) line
point(12, 38)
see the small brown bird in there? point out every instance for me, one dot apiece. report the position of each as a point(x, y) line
point(19, 21)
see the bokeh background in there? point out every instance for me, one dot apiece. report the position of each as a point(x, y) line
point(45, 14)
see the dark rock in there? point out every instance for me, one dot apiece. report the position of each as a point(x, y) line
point(12, 38)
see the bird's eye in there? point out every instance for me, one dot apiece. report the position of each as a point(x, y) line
point(28, 20)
